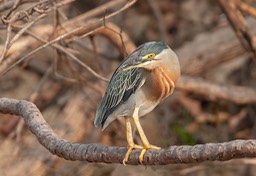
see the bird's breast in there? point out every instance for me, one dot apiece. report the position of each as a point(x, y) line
point(162, 82)
point(159, 83)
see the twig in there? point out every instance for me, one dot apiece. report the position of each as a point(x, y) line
point(99, 153)
point(15, 38)
point(246, 8)
point(10, 22)
point(7, 40)
point(21, 14)
point(159, 18)
point(96, 54)
point(61, 48)
point(22, 46)
point(39, 86)
point(28, 25)
point(72, 32)
point(109, 31)
point(15, 5)
point(119, 39)
point(239, 25)
point(6, 5)
point(94, 12)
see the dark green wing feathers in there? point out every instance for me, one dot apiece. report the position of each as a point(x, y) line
point(122, 85)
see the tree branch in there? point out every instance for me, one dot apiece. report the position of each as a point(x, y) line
point(199, 55)
point(238, 23)
point(99, 153)
point(216, 92)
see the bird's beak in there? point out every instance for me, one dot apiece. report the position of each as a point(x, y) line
point(140, 64)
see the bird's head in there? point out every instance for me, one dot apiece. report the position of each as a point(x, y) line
point(150, 56)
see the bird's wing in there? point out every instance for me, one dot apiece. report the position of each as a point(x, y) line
point(122, 85)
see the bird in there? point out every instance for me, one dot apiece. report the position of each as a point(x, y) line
point(144, 78)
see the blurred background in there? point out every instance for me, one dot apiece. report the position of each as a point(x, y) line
point(213, 102)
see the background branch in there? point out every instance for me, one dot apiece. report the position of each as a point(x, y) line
point(238, 23)
point(216, 92)
point(85, 29)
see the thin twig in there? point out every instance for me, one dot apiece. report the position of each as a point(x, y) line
point(76, 30)
point(7, 40)
point(64, 50)
point(15, 5)
point(120, 39)
point(28, 25)
point(13, 55)
point(20, 15)
point(96, 54)
point(96, 11)
point(15, 38)
point(6, 5)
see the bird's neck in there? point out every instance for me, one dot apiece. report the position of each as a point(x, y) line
point(168, 72)
point(161, 81)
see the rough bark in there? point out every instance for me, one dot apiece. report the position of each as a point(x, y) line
point(99, 153)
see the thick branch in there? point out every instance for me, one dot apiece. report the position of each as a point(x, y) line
point(99, 153)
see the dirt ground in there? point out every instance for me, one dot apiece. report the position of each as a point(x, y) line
point(68, 95)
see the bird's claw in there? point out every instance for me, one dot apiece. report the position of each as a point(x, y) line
point(143, 151)
point(129, 151)
point(145, 148)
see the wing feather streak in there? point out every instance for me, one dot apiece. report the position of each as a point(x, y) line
point(122, 85)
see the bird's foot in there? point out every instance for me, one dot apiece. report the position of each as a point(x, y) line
point(129, 151)
point(145, 148)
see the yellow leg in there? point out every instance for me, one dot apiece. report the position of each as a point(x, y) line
point(130, 142)
point(143, 137)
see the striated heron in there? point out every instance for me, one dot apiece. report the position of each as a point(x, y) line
point(147, 76)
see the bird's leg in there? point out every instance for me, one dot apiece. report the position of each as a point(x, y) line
point(130, 142)
point(143, 137)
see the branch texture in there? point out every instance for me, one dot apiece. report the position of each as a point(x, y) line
point(99, 153)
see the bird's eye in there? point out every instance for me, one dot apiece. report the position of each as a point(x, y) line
point(149, 56)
